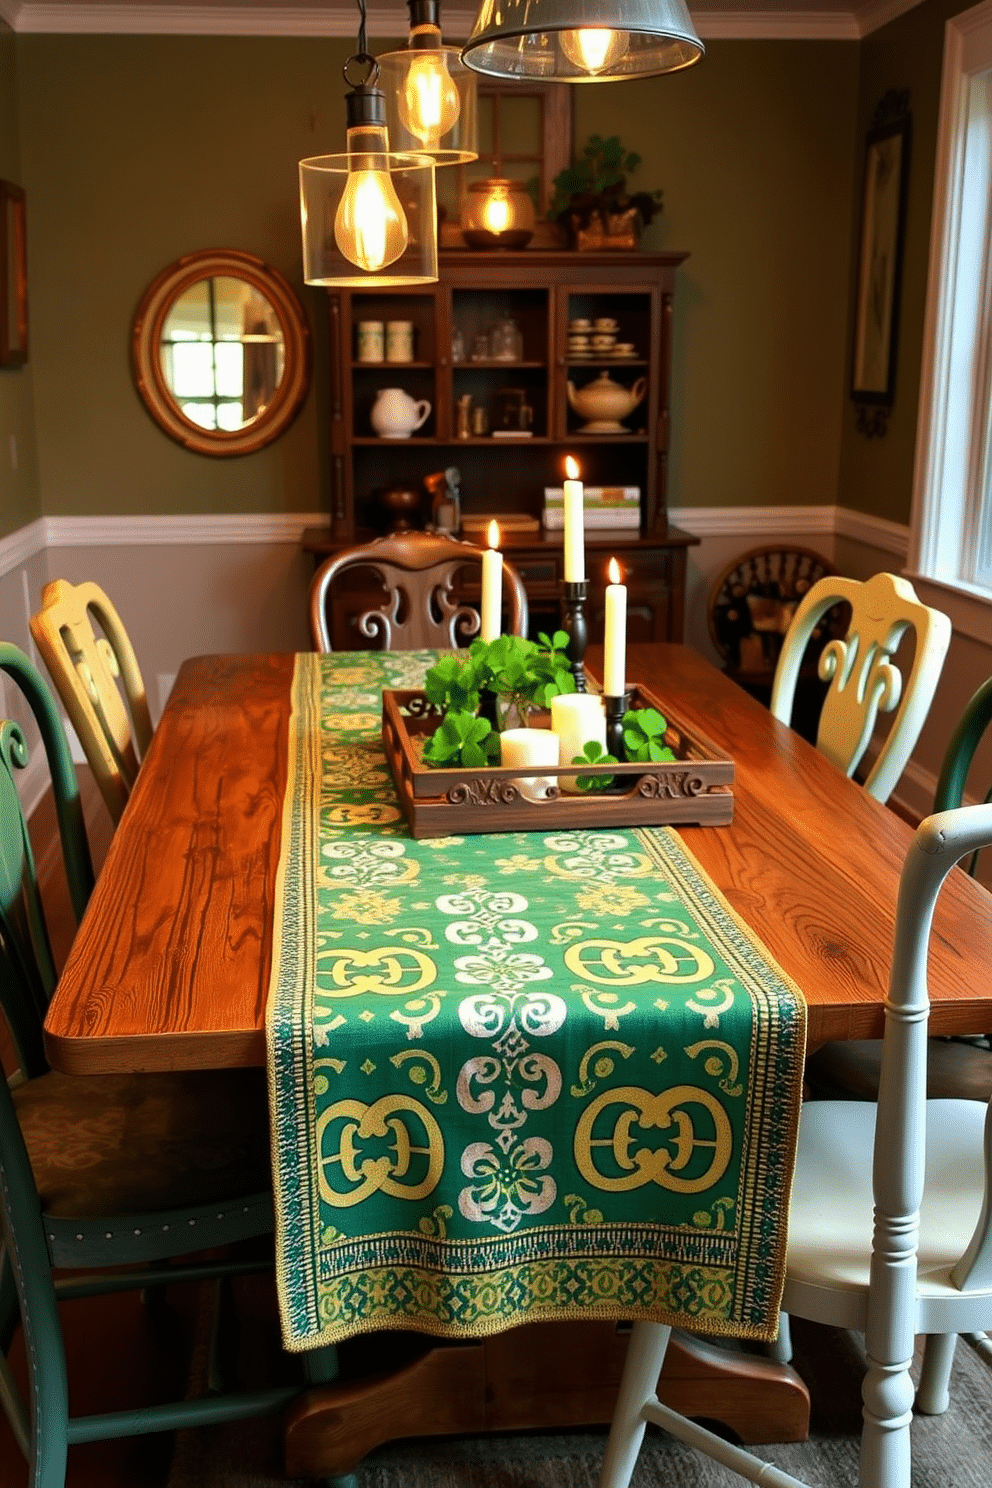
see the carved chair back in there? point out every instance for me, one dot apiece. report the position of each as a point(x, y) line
point(85, 668)
point(863, 678)
point(420, 575)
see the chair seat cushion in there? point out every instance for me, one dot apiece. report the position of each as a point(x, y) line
point(851, 1069)
point(831, 1216)
point(138, 1144)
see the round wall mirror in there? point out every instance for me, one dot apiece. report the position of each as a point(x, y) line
point(221, 352)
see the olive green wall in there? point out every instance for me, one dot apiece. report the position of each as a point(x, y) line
point(877, 474)
point(162, 145)
point(19, 502)
point(754, 149)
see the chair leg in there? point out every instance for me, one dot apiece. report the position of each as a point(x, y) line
point(781, 1348)
point(933, 1394)
point(645, 1356)
point(887, 1393)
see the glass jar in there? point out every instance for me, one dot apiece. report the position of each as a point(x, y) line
point(498, 213)
point(506, 344)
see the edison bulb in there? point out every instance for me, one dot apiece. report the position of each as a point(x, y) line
point(370, 226)
point(428, 102)
point(594, 48)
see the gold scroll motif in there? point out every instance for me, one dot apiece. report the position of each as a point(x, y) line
point(395, 971)
point(644, 1110)
point(350, 1123)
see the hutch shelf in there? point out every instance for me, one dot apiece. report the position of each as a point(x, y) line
point(542, 292)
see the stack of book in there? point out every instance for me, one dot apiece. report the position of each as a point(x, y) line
point(602, 506)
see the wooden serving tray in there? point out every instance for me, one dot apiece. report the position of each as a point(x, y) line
point(695, 787)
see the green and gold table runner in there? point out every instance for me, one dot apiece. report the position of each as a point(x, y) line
point(517, 1077)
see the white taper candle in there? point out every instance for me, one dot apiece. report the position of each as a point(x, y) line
point(575, 549)
point(615, 634)
point(492, 587)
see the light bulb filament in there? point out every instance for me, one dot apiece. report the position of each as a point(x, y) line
point(594, 48)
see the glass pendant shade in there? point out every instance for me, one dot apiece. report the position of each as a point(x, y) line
point(581, 41)
point(430, 99)
point(498, 213)
point(368, 216)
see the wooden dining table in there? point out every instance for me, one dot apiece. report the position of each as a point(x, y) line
point(170, 969)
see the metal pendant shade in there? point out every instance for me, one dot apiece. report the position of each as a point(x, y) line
point(581, 41)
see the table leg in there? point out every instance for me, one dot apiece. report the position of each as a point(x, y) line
point(542, 1376)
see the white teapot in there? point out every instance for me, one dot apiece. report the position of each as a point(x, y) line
point(605, 402)
point(395, 414)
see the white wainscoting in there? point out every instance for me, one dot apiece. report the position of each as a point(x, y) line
point(187, 586)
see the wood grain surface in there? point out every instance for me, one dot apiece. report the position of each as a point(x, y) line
point(170, 968)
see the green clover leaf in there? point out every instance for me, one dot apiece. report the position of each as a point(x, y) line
point(593, 753)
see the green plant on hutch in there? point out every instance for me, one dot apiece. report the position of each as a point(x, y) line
point(590, 198)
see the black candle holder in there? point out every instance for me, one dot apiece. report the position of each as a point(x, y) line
point(573, 623)
point(487, 708)
point(616, 707)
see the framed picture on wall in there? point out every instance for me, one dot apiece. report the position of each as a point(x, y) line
point(883, 218)
point(13, 277)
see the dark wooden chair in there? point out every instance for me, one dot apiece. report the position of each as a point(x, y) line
point(418, 579)
point(750, 608)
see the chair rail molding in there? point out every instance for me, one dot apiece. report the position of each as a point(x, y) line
point(21, 546)
point(181, 531)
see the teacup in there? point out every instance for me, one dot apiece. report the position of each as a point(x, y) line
point(606, 324)
point(625, 348)
point(580, 325)
point(578, 343)
point(603, 342)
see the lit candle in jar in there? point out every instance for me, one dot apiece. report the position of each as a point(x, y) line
point(615, 637)
point(575, 551)
point(492, 586)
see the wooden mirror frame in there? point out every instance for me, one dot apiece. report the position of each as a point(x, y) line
point(146, 339)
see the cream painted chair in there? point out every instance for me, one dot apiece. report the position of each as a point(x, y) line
point(890, 1226)
point(85, 668)
point(864, 681)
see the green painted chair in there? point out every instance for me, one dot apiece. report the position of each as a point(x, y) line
point(107, 1171)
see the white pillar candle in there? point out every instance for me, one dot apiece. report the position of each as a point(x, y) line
point(526, 746)
point(575, 551)
point(492, 587)
point(577, 718)
point(615, 636)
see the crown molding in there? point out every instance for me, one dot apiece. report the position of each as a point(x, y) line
point(777, 25)
point(50, 16)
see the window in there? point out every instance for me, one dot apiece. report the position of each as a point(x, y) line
point(952, 501)
point(525, 132)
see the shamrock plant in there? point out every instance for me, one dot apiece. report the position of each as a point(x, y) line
point(462, 739)
point(526, 673)
point(593, 753)
point(455, 682)
point(644, 732)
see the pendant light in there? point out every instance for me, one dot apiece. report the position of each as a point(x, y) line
point(581, 41)
point(430, 93)
point(369, 216)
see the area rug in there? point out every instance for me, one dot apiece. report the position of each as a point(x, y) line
point(949, 1451)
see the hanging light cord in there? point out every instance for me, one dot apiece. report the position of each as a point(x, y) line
point(362, 56)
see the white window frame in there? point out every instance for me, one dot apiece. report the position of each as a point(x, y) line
point(956, 369)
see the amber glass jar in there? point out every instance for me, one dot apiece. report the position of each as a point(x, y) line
point(498, 213)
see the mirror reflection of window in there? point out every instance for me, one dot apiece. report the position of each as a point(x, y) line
point(222, 353)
